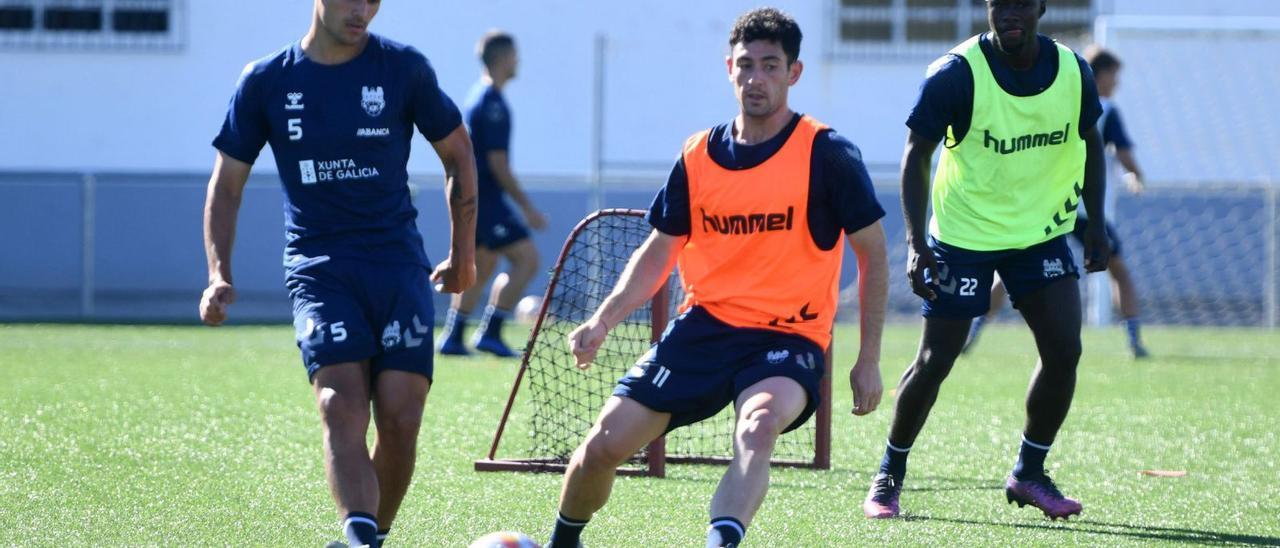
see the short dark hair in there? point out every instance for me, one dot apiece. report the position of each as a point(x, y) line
point(768, 24)
point(1101, 60)
point(492, 45)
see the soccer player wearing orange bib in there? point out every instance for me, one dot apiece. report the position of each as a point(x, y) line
point(754, 213)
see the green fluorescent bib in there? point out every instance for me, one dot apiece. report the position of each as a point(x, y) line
point(1015, 179)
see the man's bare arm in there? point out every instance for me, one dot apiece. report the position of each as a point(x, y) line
point(873, 288)
point(1133, 174)
point(458, 271)
point(1097, 249)
point(647, 270)
point(221, 210)
point(916, 160)
point(873, 299)
point(644, 274)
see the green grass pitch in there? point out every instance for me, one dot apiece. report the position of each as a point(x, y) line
point(189, 436)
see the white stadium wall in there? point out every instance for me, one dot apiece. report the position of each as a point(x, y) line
point(72, 110)
point(157, 111)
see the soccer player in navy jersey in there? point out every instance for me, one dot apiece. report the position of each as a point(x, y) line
point(338, 108)
point(499, 231)
point(1106, 72)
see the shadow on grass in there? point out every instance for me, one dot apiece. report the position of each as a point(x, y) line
point(860, 480)
point(1141, 532)
point(929, 484)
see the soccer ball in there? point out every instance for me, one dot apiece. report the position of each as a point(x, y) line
point(504, 539)
point(527, 309)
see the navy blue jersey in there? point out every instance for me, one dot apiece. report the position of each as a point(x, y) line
point(340, 135)
point(946, 96)
point(1111, 127)
point(489, 120)
point(840, 193)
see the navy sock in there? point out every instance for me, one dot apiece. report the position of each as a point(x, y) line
point(1030, 460)
point(1133, 326)
point(361, 529)
point(894, 462)
point(566, 533)
point(455, 322)
point(382, 535)
point(725, 531)
point(494, 317)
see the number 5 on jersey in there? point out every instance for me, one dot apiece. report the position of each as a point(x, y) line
point(295, 129)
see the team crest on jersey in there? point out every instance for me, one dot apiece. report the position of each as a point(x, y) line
point(1053, 269)
point(295, 101)
point(391, 335)
point(372, 100)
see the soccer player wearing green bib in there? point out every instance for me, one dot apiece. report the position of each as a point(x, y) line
point(1016, 113)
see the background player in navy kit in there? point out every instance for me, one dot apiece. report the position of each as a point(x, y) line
point(499, 232)
point(338, 108)
point(1106, 72)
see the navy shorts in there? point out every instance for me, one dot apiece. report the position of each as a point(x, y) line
point(1082, 224)
point(498, 227)
point(702, 365)
point(348, 311)
point(965, 277)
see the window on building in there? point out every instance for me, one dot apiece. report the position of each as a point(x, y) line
point(911, 28)
point(17, 18)
point(91, 24)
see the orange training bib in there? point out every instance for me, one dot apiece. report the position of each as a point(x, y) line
point(750, 260)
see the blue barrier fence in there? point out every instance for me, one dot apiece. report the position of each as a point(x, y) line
point(117, 247)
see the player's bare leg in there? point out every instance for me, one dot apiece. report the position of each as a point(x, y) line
point(1125, 293)
point(504, 295)
point(398, 399)
point(342, 396)
point(764, 410)
point(940, 345)
point(1054, 316)
point(1053, 313)
point(461, 306)
point(624, 426)
point(523, 257)
point(486, 263)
